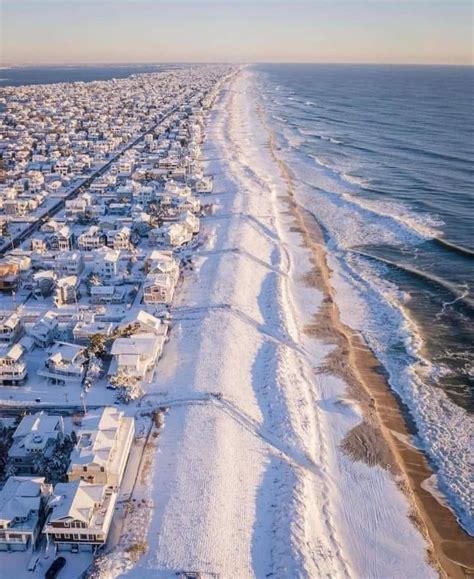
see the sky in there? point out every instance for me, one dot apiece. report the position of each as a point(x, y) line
point(126, 31)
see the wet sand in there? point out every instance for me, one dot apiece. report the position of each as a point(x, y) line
point(383, 436)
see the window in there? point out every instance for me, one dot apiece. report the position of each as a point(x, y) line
point(84, 468)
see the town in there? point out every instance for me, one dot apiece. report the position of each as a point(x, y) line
point(102, 191)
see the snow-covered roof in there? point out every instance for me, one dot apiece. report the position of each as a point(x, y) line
point(75, 500)
point(96, 438)
point(20, 496)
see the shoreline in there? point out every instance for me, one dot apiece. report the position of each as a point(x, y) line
point(381, 434)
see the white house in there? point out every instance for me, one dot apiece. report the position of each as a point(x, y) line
point(190, 221)
point(104, 440)
point(163, 262)
point(158, 288)
point(119, 239)
point(107, 294)
point(106, 264)
point(65, 364)
point(45, 330)
point(92, 238)
point(135, 355)
point(36, 434)
point(13, 369)
point(10, 327)
point(65, 291)
point(80, 517)
point(23, 503)
point(170, 234)
point(85, 329)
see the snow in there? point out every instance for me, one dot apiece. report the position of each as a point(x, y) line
point(246, 478)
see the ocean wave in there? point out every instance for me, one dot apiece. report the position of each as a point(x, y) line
point(425, 225)
point(459, 293)
point(322, 136)
point(460, 249)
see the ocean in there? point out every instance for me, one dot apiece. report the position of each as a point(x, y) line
point(382, 156)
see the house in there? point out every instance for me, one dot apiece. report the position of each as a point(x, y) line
point(77, 207)
point(104, 440)
point(61, 240)
point(136, 355)
point(81, 516)
point(204, 185)
point(142, 322)
point(85, 329)
point(36, 434)
point(163, 262)
point(92, 238)
point(43, 283)
point(23, 502)
point(38, 244)
point(69, 263)
point(106, 264)
point(107, 294)
point(18, 207)
point(190, 221)
point(10, 328)
point(9, 276)
point(158, 288)
point(65, 364)
point(170, 234)
point(119, 239)
point(65, 291)
point(12, 367)
point(45, 330)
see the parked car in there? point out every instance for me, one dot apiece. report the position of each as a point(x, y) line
point(56, 566)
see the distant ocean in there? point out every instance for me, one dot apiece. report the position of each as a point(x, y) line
point(383, 157)
point(24, 75)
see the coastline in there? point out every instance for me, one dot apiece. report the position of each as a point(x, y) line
point(252, 482)
point(384, 433)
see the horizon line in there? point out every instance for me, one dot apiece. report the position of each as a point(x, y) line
point(235, 63)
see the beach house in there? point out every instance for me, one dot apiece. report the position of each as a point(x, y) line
point(66, 364)
point(36, 434)
point(23, 502)
point(10, 328)
point(13, 371)
point(104, 440)
point(80, 516)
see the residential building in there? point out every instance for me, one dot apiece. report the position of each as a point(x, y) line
point(158, 288)
point(10, 328)
point(104, 440)
point(45, 330)
point(66, 364)
point(9, 276)
point(119, 239)
point(66, 290)
point(36, 434)
point(23, 503)
point(13, 371)
point(136, 355)
point(106, 264)
point(92, 238)
point(80, 517)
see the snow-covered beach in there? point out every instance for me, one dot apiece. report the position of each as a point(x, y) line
point(249, 478)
